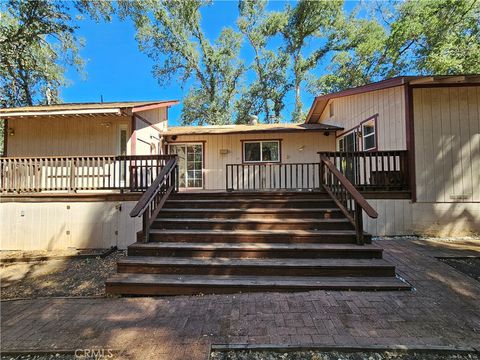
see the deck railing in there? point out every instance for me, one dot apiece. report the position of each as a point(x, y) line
point(71, 173)
point(372, 170)
point(347, 198)
point(154, 198)
point(273, 176)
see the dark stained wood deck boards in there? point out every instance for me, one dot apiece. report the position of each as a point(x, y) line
point(240, 242)
point(231, 266)
point(153, 284)
point(252, 252)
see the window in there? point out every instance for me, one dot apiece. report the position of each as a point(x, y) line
point(368, 135)
point(330, 109)
point(261, 151)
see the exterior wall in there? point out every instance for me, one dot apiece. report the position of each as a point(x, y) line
point(62, 225)
point(67, 136)
point(402, 217)
point(447, 144)
point(214, 162)
point(149, 124)
point(389, 104)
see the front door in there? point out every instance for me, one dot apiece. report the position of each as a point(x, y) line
point(190, 164)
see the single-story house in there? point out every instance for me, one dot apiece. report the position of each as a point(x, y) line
point(410, 145)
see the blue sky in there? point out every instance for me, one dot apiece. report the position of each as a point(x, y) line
point(118, 71)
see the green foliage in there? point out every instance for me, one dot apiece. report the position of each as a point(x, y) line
point(37, 41)
point(440, 37)
point(170, 33)
point(265, 95)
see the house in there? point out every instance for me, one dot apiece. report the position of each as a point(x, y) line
point(411, 145)
point(436, 120)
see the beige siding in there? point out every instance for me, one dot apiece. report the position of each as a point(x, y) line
point(62, 225)
point(74, 136)
point(394, 218)
point(447, 144)
point(214, 162)
point(389, 104)
point(147, 136)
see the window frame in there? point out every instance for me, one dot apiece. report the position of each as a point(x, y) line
point(261, 141)
point(372, 120)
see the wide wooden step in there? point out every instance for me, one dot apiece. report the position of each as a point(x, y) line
point(153, 284)
point(255, 236)
point(252, 213)
point(299, 203)
point(253, 224)
point(258, 267)
point(255, 250)
point(249, 194)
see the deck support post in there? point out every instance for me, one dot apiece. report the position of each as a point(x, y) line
point(146, 228)
point(359, 224)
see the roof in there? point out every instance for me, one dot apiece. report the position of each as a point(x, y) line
point(320, 102)
point(239, 129)
point(115, 108)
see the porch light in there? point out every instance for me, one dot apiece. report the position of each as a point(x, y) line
point(301, 148)
point(11, 131)
point(106, 124)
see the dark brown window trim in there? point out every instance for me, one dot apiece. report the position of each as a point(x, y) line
point(262, 162)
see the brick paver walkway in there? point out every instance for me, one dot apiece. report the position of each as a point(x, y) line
point(444, 310)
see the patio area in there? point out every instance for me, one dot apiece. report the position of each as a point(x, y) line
point(442, 311)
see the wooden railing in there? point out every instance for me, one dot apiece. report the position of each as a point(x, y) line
point(72, 173)
point(347, 198)
point(153, 199)
point(373, 170)
point(273, 176)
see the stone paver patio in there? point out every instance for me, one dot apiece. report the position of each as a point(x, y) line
point(443, 310)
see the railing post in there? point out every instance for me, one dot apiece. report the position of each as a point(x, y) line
point(146, 227)
point(359, 224)
point(72, 176)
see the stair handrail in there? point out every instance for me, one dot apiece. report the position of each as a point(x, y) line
point(153, 199)
point(344, 194)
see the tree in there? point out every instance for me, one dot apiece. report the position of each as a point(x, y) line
point(417, 37)
point(265, 95)
point(318, 20)
point(170, 33)
point(36, 42)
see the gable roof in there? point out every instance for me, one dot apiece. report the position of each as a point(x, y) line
point(111, 108)
point(320, 102)
point(240, 129)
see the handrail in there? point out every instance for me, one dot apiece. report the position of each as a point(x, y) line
point(347, 198)
point(154, 198)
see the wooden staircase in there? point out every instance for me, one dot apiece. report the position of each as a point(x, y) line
point(245, 242)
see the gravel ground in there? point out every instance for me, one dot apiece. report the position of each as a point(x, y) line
point(64, 277)
point(468, 266)
point(61, 357)
point(335, 355)
point(9, 254)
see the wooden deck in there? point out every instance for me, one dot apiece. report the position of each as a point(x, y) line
point(239, 242)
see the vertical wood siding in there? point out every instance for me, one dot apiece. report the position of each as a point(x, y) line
point(447, 144)
point(62, 225)
point(214, 162)
point(64, 136)
point(389, 104)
